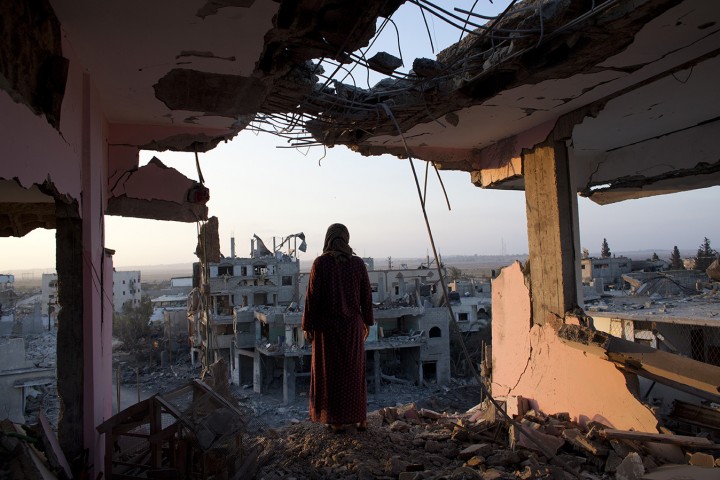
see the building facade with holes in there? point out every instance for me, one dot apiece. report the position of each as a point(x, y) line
point(126, 289)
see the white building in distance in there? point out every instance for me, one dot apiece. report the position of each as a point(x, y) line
point(126, 288)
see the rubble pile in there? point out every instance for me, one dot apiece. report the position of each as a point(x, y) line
point(413, 443)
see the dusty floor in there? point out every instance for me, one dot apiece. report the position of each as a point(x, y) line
point(414, 433)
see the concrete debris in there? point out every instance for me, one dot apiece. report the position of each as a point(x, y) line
point(701, 459)
point(713, 271)
point(18, 457)
point(631, 468)
point(385, 63)
point(425, 67)
point(412, 442)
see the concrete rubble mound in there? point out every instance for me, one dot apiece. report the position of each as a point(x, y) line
point(414, 443)
point(193, 432)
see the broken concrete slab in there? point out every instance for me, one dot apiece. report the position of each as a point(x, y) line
point(631, 468)
point(385, 63)
point(681, 472)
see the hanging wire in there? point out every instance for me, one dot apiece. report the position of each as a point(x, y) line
point(349, 112)
point(522, 429)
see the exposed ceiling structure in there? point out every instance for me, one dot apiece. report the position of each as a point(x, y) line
point(631, 86)
point(209, 65)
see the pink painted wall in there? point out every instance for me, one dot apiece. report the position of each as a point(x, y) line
point(531, 361)
point(153, 181)
point(33, 150)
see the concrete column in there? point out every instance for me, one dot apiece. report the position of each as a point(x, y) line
point(97, 294)
point(257, 373)
point(288, 380)
point(551, 221)
point(70, 365)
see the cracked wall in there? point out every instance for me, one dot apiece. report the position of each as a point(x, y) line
point(154, 191)
point(531, 361)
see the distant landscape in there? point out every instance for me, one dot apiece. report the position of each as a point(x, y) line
point(472, 265)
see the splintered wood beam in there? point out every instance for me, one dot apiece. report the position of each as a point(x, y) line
point(696, 415)
point(680, 440)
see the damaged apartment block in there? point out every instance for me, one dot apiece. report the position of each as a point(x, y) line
point(251, 312)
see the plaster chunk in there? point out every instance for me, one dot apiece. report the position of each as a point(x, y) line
point(631, 468)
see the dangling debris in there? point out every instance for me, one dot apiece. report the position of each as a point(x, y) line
point(385, 63)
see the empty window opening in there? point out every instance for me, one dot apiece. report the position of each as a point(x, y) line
point(225, 270)
point(260, 269)
point(287, 280)
point(430, 371)
point(435, 332)
point(462, 317)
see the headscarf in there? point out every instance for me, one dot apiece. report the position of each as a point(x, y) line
point(336, 242)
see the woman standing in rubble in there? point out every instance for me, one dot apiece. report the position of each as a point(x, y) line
point(336, 320)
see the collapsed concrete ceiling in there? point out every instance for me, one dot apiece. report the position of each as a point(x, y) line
point(632, 86)
point(210, 65)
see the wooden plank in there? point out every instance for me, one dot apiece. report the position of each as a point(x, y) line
point(133, 434)
point(163, 434)
point(577, 439)
point(696, 415)
point(55, 454)
point(680, 440)
point(175, 412)
point(133, 413)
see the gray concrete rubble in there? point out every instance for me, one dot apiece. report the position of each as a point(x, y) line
point(414, 441)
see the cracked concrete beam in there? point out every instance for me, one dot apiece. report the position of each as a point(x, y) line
point(674, 370)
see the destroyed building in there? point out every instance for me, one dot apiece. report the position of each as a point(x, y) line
point(49, 294)
point(265, 278)
point(253, 321)
point(610, 100)
point(17, 375)
point(7, 293)
point(605, 273)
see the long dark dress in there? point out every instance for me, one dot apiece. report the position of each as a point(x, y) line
point(337, 306)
